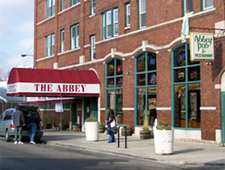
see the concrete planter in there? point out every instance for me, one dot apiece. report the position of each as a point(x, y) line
point(163, 140)
point(91, 131)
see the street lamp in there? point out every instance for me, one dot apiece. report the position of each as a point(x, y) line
point(25, 55)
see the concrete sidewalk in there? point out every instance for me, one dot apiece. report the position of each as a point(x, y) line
point(185, 153)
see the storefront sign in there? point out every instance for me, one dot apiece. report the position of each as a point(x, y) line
point(202, 46)
point(54, 88)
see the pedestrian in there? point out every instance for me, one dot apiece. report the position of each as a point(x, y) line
point(111, 123)
point(19, 122)
point(33, 122)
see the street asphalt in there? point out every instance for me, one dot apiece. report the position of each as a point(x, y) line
point(189, 153)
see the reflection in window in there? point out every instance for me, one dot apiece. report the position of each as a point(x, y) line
point(146, 81)
point(186, 87)
point(114, 87)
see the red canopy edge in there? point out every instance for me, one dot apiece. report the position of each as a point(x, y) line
point(52, 82)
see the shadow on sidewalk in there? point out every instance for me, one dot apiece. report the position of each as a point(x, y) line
point(57, 137)
point(187, 151)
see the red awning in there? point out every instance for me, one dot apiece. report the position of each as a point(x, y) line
point(52, 82)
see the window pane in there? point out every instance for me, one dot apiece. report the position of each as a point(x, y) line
point(110, 82)
point(179, 75)
point(179, 56)
point(152, 79)
point(119, 67)
point(189, 6)
point(110, 68)
point(152, 105)
point(141, 80)
point(110, 99)
point(193, 73)
point(77, 36)
point(179, 106)
point(119, 81)
point(194, 117)
point(143, 7)
point(141, 63)
point(108, 23)
point(143, 20)
point(119, 106)
point(140, 105)
point(151, 61)
point(208, 3)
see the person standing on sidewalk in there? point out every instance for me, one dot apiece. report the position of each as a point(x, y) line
point(33, 121)
point(111, 123)
point(19, 122)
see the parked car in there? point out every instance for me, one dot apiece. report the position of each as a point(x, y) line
point(7, 127)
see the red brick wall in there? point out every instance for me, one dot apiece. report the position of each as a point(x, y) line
point(158, 12)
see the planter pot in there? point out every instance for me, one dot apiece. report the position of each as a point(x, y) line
point(91, 131)
point(145, 134)
point(128, 131)
point(163, 140)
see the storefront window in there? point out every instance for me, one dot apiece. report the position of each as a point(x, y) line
point(114, 88)
point(145, 86)
point(186, 89)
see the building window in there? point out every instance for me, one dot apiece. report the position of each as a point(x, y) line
point(110, 23)
point(142, 14)
point(62, 41)
point(74, 2)
point(50, 8)
point(114, 87)
point(187, 6)
point(185, 89)
point(92, 47)
point(127, 17)
point(62, 5)
point(93, 7)
point(74, 32)
point(50, 44)
point(145, 88)
point(207, 4)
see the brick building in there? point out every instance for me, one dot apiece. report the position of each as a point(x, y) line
point(144, 67)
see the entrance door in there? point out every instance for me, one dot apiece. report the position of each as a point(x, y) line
point(223, 116)
point(90, 107)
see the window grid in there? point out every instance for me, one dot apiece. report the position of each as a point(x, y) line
point(50, 8)
point(93, 51)
point(74, 31)
point(127, 15)
point(142, 14)
point(93, 7)
point(50, 44)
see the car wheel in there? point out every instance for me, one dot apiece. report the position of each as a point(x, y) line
point(7, 138)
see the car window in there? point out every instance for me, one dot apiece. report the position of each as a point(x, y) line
point(8, 117)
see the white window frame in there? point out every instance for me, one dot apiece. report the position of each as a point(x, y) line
point(93, 51)
point(142, 11)
point(185, 7)
point(62, 5)
point(93, 7)
point(128, 15)
point(74, 31)
point(50, 44)
point(115, 22)
point(62, 40)
point(204, 5)
point(109, 24)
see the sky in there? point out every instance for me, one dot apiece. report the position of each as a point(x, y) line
point(16, 34)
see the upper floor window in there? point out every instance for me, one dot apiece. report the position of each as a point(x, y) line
point(74, 33)
point(142, 13)
point(127, 17)
point(73, 2)
point(93, 7)
point(50, 8)
point(62, 40)
point(50, 44)
point(188, 6)
point(93, 54)
point(207, 4)
point(62, 5)
point(110, 23)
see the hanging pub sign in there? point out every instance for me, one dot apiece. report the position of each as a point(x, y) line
point(202, 46)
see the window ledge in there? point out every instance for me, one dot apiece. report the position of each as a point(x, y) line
point(92, 15)
point(67, 9)
point(45, 20)
point(45, 58)
point(69, 51)
point(127, 28)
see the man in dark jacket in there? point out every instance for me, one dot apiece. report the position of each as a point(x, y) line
point(18, 121)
